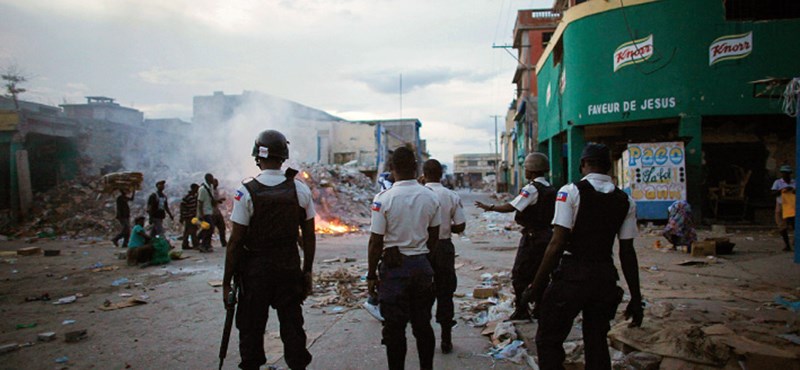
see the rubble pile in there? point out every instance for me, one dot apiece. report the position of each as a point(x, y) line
point(340, 193)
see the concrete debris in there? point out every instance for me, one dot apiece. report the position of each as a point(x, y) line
point(11, 347)
point(342, 288)
point(47, 336)
point(639, 361)
point(76, 336)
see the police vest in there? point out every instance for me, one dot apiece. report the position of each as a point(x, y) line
point(591, 242)
point(274, 225)
point(540, 215)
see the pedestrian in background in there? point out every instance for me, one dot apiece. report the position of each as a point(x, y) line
point(158, 209)
point(785, 184)
point(205, 212)
point(124, 218)
point(188, 212)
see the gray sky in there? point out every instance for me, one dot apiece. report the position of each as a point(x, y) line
point(341, 56)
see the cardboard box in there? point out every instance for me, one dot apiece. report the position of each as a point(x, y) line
point(29, 251)
point(483, 292)
point(704, 248)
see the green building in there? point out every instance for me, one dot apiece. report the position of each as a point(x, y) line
point(704, 74)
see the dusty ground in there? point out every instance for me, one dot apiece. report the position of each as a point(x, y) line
point(181, 324)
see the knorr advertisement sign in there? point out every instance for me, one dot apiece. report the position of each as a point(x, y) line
point(633, 52)
point(730, 47)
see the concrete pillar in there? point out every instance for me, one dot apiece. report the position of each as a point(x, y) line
point(554, 151)
point(24, 180)
point(575, 144)
point(15, 145)
point(691, 129)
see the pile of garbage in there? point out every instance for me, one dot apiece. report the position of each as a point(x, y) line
point(340, 193)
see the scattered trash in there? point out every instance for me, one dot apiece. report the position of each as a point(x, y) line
point(692, 263)
point(120, 281)
point(43, 297)
point(75, 336)
point(794, 338)
point(339, 259)
point(482, 292)
point(791, 305)
point(68, 322)
point(52, 252)
point(125, 295)
point(29, 251)
point(46, 336)
point(337, 309)
point(26, 326)
point(654, 268)
point(66, 300)
point(62, 360)
point(11, 347)
point(215, 283)
point(109, 306)
point(373, 309)
point(504, 331)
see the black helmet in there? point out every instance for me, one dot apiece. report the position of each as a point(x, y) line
point(271, 144)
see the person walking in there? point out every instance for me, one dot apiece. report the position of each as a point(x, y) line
point(269, 214)
point(205, 212)
point(216, 214)
point(444, 278)
point(403, 233)
point(158, 209)
point(188, 212)
point(785, 184)
point(124, 218)
point(588, 215)
point(534, 207)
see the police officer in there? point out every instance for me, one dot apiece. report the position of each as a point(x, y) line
point(262, 253)
point(453, 221)
point(588, 215)
point(534, 206)
point(404, 230)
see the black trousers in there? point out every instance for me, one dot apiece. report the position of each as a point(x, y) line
point(189, 231)
point(562, 301)
point(262, 289)
point(124, 231)
point(406, 295)
point(205, 234)
point(218, 222)
point(445, 281)
point(530, 254)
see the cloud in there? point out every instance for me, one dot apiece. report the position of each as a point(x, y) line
point(388, 82)
point(202, 77)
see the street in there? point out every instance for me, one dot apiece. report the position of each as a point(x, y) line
point(180, 325)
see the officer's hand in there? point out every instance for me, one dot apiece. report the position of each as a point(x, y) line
point(308, 286)
point(227, 299)
point(635, 312)
point(481, 205)
point(372, 287)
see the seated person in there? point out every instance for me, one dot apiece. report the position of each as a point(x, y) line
point(140, 248)
point(680, 227)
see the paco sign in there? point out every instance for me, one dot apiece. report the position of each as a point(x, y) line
point(655, 171)
point(730, 47)
point(633, 52)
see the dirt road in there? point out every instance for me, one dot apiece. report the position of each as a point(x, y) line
point(181, 323)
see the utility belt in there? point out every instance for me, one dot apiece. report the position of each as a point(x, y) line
point(575, 268)
point(532, 232)
point(392, 257)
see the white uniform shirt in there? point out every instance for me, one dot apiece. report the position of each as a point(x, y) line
point(243, 204)
point(451, 208)
point(528, 195)
point(403, 215)
point(779, 184)
point(568, 201)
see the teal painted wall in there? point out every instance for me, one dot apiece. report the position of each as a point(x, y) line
point(678, 70)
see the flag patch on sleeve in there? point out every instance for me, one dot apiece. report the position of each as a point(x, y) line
point(238, 195)
point(524, 193)
point(376, 206)
point(562, 196)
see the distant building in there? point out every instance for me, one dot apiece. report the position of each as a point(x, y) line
point(102, 108)
point(472, 169)
point(393, 133)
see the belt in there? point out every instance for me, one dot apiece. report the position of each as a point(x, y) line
point(445, 240)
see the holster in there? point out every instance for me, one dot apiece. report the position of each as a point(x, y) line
point(392, 257)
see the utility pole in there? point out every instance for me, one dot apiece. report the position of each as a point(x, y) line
point(496, 156)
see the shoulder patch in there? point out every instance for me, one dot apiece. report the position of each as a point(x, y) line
point(376, 206)
point(524, 193)
point(561, 196)
point(238, 195)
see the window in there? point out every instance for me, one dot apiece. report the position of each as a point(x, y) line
point(472, 163)
point(752, 10)
point(546, 36)
point(490, 163)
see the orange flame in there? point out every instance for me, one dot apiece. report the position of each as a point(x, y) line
point(305, 175)
point(333, 226)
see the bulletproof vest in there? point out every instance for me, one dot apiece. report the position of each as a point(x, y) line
point(274, 224)
point(540, 215)
point(600, 217)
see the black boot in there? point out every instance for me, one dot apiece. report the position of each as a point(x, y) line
point(447, 339)
point(785, 236)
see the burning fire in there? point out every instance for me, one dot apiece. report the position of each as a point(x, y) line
point(305, 175)
point(333, 226)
